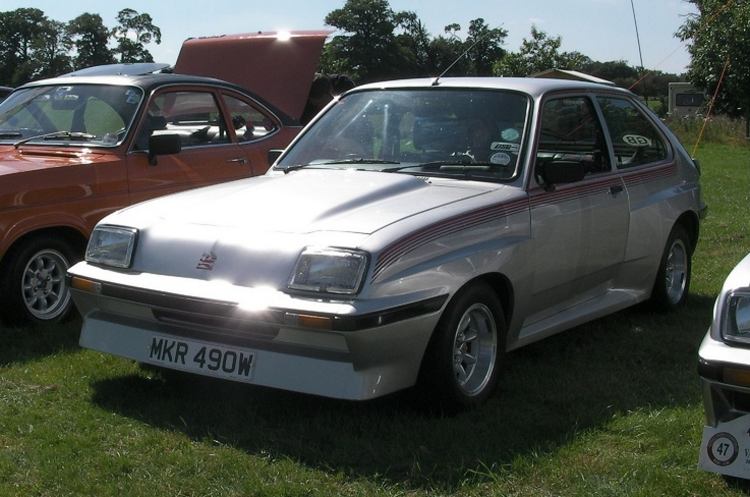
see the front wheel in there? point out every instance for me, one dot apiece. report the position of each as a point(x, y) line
point(461, 365)
point(33, 287)
point(673, 279)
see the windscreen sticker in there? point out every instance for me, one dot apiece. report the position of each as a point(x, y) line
point(510, 134)
point(505, 147)
point(132, 97)
point(636, 140)
point(500, 158)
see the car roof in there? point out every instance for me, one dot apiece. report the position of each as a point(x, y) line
point(151, 82)
point(536, 87)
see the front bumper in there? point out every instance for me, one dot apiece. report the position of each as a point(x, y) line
point(725, 381)
point(347, 350)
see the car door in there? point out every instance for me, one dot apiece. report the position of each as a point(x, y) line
point(256, 130)
point(647, 165)
point(209, 154)
point(579, 230)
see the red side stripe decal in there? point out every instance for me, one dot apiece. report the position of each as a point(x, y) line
point(477, 217)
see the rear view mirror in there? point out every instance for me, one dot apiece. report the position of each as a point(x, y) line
point(561, 171)
point(163, 145)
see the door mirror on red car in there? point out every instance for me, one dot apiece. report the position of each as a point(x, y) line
point(561, 171)
point(163, 145)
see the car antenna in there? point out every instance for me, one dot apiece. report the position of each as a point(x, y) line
point(437, 78)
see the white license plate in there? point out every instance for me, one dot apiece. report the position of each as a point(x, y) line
point(725, 448)
point(210, 359)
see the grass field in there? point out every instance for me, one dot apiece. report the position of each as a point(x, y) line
point(610, 408)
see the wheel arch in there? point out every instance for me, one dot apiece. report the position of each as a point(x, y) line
point(689, 221)
point(72, 235)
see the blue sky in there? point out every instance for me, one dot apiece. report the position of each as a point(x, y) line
point(601, 29)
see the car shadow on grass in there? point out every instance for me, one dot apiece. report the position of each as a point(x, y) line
point(28, 343)
point(550, 392)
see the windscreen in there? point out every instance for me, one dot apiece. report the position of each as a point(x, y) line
point(462, 133)
point(86, 115)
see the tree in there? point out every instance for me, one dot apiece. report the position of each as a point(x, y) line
point(368, 50)
point(485, 47)
point(89, 37)
point(539, 53)
point(18, 30)
point(133, 31)
point(51, 49)
point(718, 33)
point(414, 45)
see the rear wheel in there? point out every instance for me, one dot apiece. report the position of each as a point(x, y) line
point(461, 365)
point(33, 287)
point(673, 279)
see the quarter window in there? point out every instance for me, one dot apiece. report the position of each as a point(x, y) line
point(248, 122)
point(571, 131)
point(194, 116)
point(635, 140)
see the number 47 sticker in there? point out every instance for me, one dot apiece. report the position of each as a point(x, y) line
point(725, 448)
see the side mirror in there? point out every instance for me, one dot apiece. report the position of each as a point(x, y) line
point(274, 154)
point(163, 145)
point(561, 171)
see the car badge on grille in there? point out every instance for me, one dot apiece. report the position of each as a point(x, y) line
point(207, 261)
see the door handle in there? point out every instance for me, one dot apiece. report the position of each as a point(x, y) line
point(237, 160)
point(615, 189)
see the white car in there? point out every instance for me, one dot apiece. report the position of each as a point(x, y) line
point(413, 233)
point(724, 367)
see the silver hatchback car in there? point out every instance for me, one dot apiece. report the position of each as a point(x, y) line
point(413, 233)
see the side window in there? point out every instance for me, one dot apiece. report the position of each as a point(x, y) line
point(570, 130)
point(634, 138)
point(192, 115)
point(248, 122)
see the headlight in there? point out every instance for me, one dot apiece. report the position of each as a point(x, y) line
point(111, 246)
point(329, 270)
point(736, 319)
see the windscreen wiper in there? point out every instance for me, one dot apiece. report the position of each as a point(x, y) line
point(357, 160)
point(440, 163)
point(10, 134)
point(70, 135)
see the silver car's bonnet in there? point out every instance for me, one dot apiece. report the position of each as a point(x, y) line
point(304, 201)
point(255, 229)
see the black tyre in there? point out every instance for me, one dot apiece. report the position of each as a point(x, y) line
point(461, 364)
point(673, 279)
point(32, 284)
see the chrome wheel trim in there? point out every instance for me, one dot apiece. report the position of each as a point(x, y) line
point(675, 271)
point(474, 349)
point(43, 288)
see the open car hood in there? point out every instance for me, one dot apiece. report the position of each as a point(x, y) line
point(278, 67)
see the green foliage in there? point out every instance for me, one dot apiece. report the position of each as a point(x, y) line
point(33, 46)
point(90, 38)
point(27, 40)
point(378, 43)
point(133, 31)
point(538, 53)
point(718, 33)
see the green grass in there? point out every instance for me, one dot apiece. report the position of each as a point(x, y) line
point(610, 408)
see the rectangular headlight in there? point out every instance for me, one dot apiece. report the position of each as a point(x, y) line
point(329, 270)
point(736, 319)
point(111, 246)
